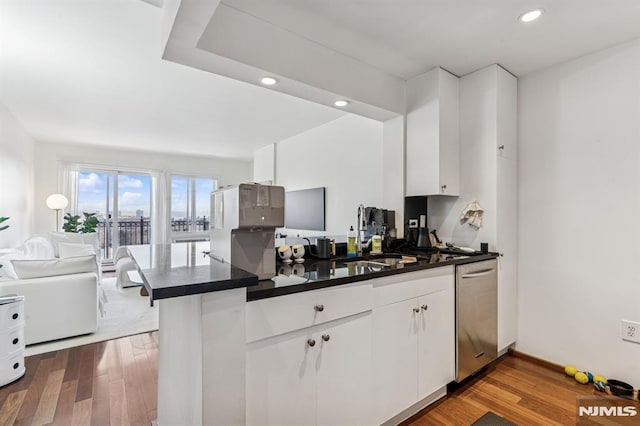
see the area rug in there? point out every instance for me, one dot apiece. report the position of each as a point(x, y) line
point(126, 313)
point(491, 419)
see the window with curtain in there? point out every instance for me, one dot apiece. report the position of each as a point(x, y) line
point(122, 203)
point(190, 206)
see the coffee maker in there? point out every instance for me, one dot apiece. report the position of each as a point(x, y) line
point(243, 223)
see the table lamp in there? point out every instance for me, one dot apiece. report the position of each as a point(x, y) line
point(57, 202)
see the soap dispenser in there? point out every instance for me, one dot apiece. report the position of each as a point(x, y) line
point(351, 242)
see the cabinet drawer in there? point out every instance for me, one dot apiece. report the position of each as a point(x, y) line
point(12, 341)
point(277, 315)
point(397, 288)
point(11, 367)
point(11, 315)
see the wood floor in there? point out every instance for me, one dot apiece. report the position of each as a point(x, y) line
point(515, 388)
point(113, 382)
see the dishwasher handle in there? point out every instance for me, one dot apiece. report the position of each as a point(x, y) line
point(479, 273)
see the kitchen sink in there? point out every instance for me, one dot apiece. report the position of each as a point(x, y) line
point(383, 261)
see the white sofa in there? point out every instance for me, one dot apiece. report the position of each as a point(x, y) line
point(57, 307)
point(62, 294)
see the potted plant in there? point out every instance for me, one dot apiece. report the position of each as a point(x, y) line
point(72, 223)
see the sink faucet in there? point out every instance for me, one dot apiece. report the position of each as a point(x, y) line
point(362, 226)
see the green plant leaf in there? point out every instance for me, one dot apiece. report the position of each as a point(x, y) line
point(71, 223)
point(90, 223)
point(2, 219)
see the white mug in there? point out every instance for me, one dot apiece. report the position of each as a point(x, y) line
point(298, 252)
point(285, 254)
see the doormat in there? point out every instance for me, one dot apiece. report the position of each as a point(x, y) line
point(491, 419)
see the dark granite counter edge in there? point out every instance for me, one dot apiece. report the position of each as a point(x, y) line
point(258, 294)
point(192, 289)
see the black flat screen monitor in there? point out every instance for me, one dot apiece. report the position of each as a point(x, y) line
point(304, 209)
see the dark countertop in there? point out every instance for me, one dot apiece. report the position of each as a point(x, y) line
point(181, 269)
point(313, 274)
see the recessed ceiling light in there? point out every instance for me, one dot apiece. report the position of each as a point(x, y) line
point(341, 103)
point(532, 15)
point(268, 81)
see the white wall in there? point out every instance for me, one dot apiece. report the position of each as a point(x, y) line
point(264, 164)
point(345, 156)
point(49, 155)
point(393, 179)
point(579, 199)
point(16, 180)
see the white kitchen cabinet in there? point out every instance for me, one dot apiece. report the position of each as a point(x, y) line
point(436, 341)
point(316, 375)
point(507, 244)
point(395, 357)
point(488, 121)
point(413, 339)
point(432, 163)
point(343, 365)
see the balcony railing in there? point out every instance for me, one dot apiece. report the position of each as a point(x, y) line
point(138, 231)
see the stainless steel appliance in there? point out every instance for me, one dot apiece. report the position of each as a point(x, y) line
point(476, 316)
point(243, 223)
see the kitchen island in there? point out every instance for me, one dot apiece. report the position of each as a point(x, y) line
point(299, 349)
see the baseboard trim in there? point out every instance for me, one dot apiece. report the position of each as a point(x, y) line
point(535, 360)
point(404, 418)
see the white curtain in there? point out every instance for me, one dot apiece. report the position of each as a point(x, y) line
point(68, 184)
point(160, 205)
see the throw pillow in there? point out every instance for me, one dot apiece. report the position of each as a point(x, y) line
point(51, 267)
point(7, 272)
point(73, 238)
point(74, 250)
point(38, 247)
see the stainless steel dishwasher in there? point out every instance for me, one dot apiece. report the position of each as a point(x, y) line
point(476, 316)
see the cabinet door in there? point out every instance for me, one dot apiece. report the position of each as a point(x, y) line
point(507, 243)
point(432, 134)
point(281, 380)
point(343, 363)
point(436, 343)
point(395, 363)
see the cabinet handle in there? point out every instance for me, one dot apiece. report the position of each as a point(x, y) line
point(424, 307)
point(326, 337)
point(319, 308)
point(416, 310)
point(311, 342)
point(443, 187)
point(501, 147)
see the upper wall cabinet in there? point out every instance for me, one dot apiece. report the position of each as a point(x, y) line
point(432, 163)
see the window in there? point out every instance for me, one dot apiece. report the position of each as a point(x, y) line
point(122, 204)
point(190, 205)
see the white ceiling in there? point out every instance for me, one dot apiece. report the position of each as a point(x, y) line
point(406, 38)
point(89, 71)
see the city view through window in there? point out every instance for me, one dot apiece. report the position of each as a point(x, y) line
point(122, 204)
point(190, 203)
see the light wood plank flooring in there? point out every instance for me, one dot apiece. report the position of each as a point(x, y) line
point(115, 382)
point(522, 390)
